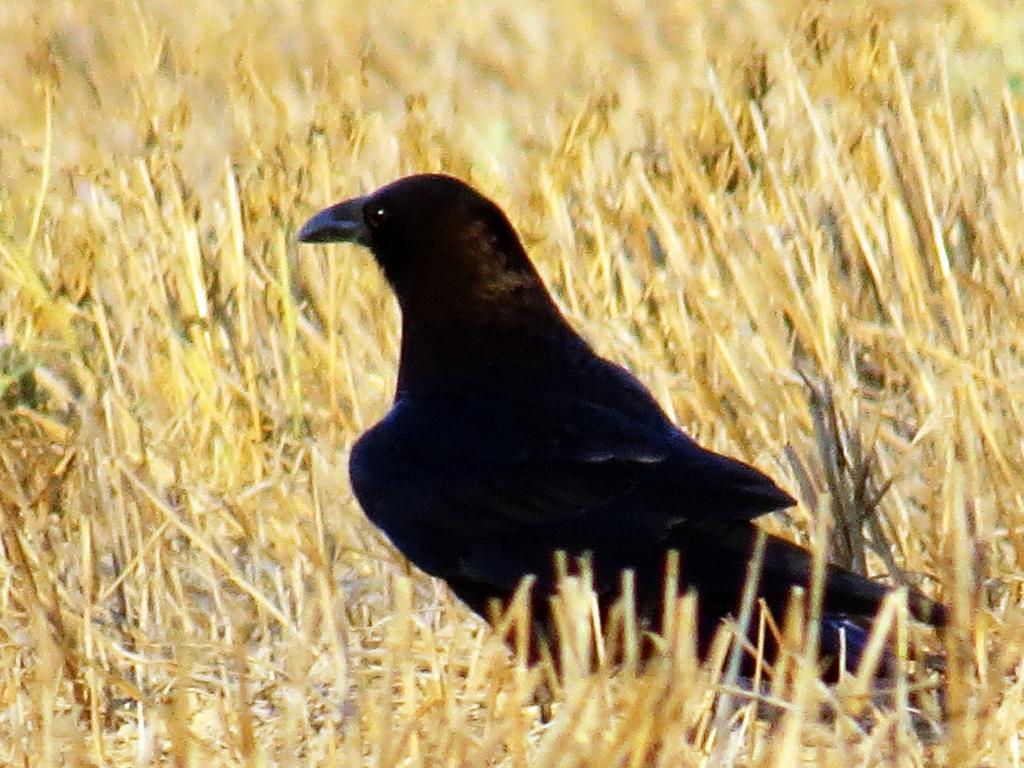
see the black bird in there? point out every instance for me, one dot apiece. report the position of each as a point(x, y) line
point(510, 439)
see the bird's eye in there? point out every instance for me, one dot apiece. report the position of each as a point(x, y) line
point(375, 215)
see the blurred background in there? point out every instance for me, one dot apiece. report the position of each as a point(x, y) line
point(798, 223)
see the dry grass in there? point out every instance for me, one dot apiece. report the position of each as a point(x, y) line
point(725, 201)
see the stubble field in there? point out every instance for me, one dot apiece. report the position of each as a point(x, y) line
point(801, 224)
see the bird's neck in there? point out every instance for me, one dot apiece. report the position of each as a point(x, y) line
point(459, 344)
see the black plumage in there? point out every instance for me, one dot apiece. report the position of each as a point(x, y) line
point(510, 439)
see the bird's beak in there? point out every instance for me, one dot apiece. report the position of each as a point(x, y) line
point(341, 223)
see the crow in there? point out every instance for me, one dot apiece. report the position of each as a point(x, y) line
point(510, 439)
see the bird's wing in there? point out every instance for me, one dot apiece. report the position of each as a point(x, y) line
point(571, 470)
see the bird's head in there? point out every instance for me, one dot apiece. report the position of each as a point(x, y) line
point(436, 239)
point(468, 292)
